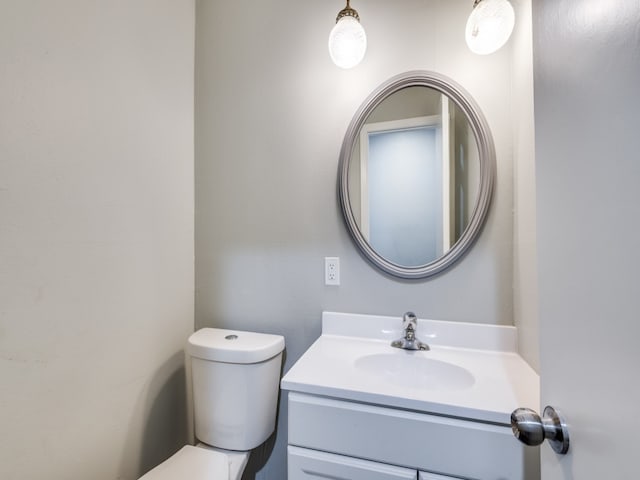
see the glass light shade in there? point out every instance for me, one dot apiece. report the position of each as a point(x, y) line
point(347, 42)
point(489, 26)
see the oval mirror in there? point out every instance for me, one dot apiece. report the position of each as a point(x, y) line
point(416, 174)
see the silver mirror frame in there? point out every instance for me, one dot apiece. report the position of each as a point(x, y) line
point(487, 157)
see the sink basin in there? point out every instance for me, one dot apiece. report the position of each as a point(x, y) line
point(415, 370)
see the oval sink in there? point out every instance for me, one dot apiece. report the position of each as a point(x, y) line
point(413, 370)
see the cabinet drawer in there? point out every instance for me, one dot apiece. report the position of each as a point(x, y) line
point(419, 441)
point(433, 476)
point(304, 464)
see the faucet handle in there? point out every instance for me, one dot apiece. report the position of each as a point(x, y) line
point(409, 321)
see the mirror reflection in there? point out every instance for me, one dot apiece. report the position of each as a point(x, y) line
point(413, 176)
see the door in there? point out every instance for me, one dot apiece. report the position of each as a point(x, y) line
point(402, 182)
point(587, 103)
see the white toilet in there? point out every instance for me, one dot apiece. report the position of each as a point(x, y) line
point(235, 394)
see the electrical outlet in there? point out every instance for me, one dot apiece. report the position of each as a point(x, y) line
point(331, 270)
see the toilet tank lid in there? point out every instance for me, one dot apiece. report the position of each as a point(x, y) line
point(234, 346)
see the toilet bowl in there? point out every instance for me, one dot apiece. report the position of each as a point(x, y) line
point(235, 394)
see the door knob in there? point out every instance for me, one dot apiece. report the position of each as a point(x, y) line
point(530, 429)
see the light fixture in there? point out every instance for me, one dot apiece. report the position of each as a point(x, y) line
point(347, 40)
point(489, 26)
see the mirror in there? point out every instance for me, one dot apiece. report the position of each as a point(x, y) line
point(416, 175)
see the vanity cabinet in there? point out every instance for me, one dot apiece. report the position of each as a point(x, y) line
point(339, 439)
point(359, 409)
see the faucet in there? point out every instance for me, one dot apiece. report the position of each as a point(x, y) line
point(409, 328)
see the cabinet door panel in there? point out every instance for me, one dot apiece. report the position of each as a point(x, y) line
point(305, 464)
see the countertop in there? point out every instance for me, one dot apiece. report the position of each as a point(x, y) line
point(499, 381)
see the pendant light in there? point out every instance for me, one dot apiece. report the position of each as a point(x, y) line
point(347, 40)
point(489, 26)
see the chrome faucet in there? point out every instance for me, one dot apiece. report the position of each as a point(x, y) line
point(409, 328)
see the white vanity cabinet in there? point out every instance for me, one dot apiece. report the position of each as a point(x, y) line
point(359, 409)
point(337, 439)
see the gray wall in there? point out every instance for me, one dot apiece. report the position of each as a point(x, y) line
point(271, 112)
point(525, 276)
point(96, 235)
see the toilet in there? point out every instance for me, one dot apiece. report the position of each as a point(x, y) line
point(235, 395)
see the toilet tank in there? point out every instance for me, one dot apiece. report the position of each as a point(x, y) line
point(236, 376)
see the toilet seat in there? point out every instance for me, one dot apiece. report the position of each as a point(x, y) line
point(192, 463)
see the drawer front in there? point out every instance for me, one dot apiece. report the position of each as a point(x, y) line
point(304, 464)
point(433, 476)
point(419, 441)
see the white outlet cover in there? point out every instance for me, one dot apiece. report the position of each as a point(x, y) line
point(332, 271)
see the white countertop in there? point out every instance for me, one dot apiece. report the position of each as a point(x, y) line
point(502, 380)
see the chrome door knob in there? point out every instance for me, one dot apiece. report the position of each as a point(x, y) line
point(530, 429)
